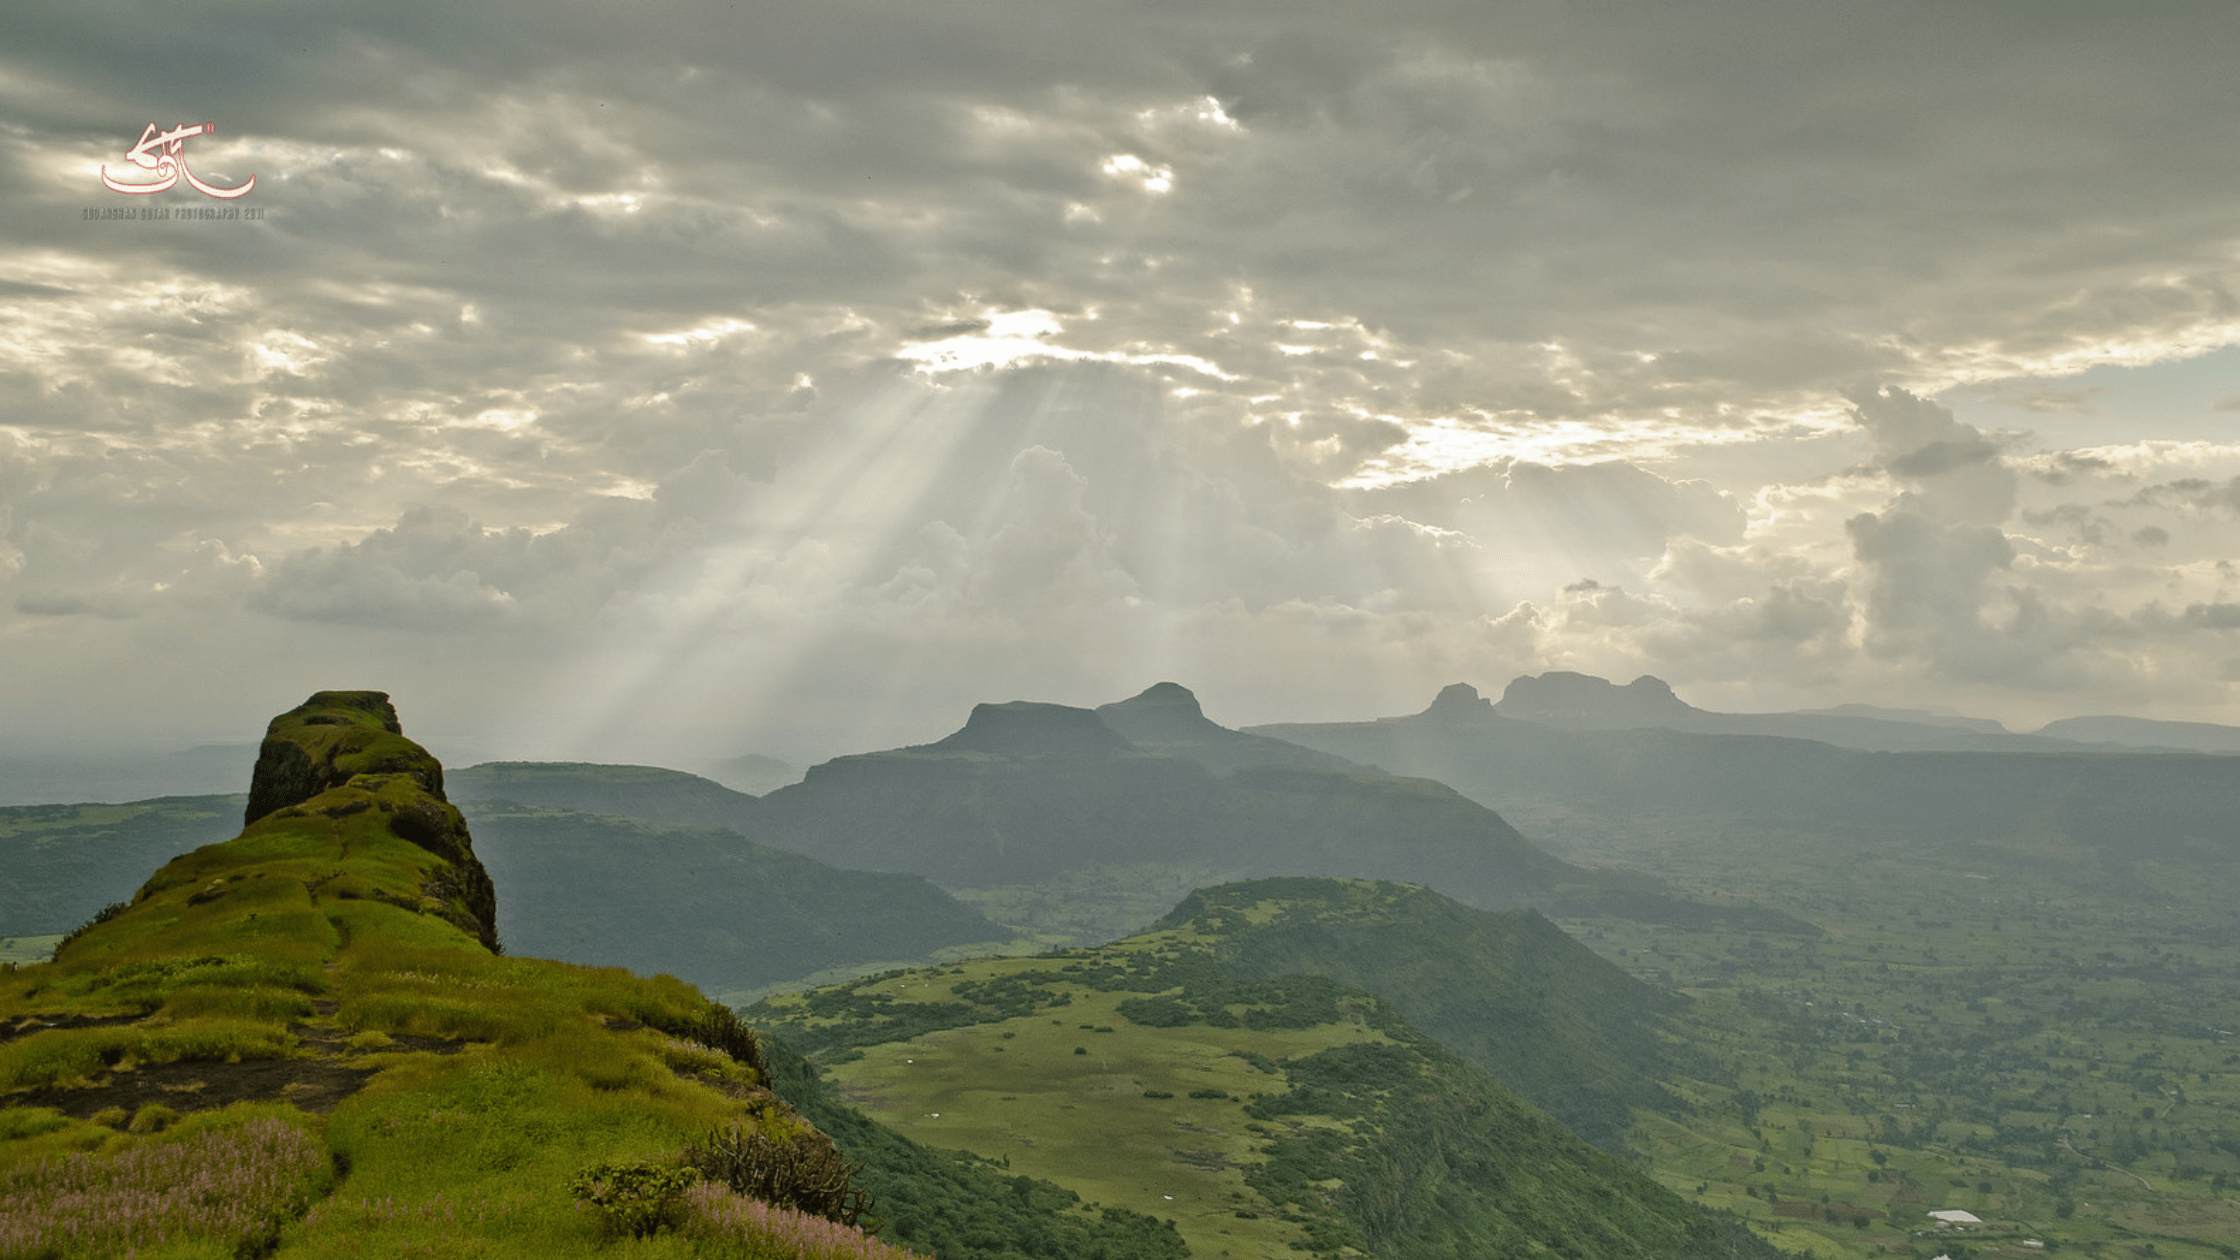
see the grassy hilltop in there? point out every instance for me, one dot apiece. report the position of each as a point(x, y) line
point(304, 1041)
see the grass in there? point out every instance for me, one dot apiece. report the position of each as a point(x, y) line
point(1083, 1121)
point(1263, 1118)
point(323, 940)
point(1015, 1091)
point(237, 1186)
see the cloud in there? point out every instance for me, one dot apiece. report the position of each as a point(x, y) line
point(652, 332)
point(1928, 583)
point(1951, 470)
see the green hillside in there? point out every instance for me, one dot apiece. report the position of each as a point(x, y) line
point(647, 792)
point(1266, 1115)
point(66, 861)
point(303, 1041)
point(1507, 991)
point(724, 913)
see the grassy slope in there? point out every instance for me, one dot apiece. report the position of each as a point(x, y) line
point(1258, 1114)
point(322, 958)
point(1508, 991)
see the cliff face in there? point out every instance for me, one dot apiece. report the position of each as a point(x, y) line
point(348, 745)
point(326, 741)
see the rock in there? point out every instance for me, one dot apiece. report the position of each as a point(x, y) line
point(352, 740)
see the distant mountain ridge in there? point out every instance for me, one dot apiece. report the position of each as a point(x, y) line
point(2148, 733)
point(2122, 804)
point(1027, 791)
point(1582, 702)
point(1566, 701)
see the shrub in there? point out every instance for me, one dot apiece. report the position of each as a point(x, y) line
point(725, 1223)
point(635, 1200)
point(101, 916)
point(717, 1026)
point(153, 1118)
point(803, 1171)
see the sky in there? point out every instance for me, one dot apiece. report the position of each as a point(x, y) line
point(670, 381)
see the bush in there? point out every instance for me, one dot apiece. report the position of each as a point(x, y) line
point(726, 1224)
point(101, 916)
point(635, 1200)
point(718, 1027)
point(153, 1118)
point(804, 1172)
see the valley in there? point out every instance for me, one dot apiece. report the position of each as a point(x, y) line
point(1655, 982)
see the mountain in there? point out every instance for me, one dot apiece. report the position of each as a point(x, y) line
point(1166, 718)
point(303, 1042)
point(1913, 717)
point(64, 862)
point(2119, 808)
point(1508, 991)
point(1027, 793)
point(1581, 702)
point(753, 773)
point(2147, 733)
point(722, 912)
point(1576, 702)
point(1265, 1113)
point(647, 792)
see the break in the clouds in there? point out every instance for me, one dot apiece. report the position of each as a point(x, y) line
point(794, 375)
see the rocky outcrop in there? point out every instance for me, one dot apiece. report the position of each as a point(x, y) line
point(1164, 712)
point(1165, 718)
point(349, 745)
point(1572, 701)
point(326, 741)
point(1024, 728)
point(1459, 703)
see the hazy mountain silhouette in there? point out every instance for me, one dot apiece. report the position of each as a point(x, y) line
point(1166, 718)
point(2147, 734)
point(1024, 792)
point(1582, 702)
point(2123, 806)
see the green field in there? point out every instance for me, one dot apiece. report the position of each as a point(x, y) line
point(2018, 1030)
point(25, 950)
point(1086, 1121)
point(1262, 1116)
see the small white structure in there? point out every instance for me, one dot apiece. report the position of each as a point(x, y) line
point(1950, 1217)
